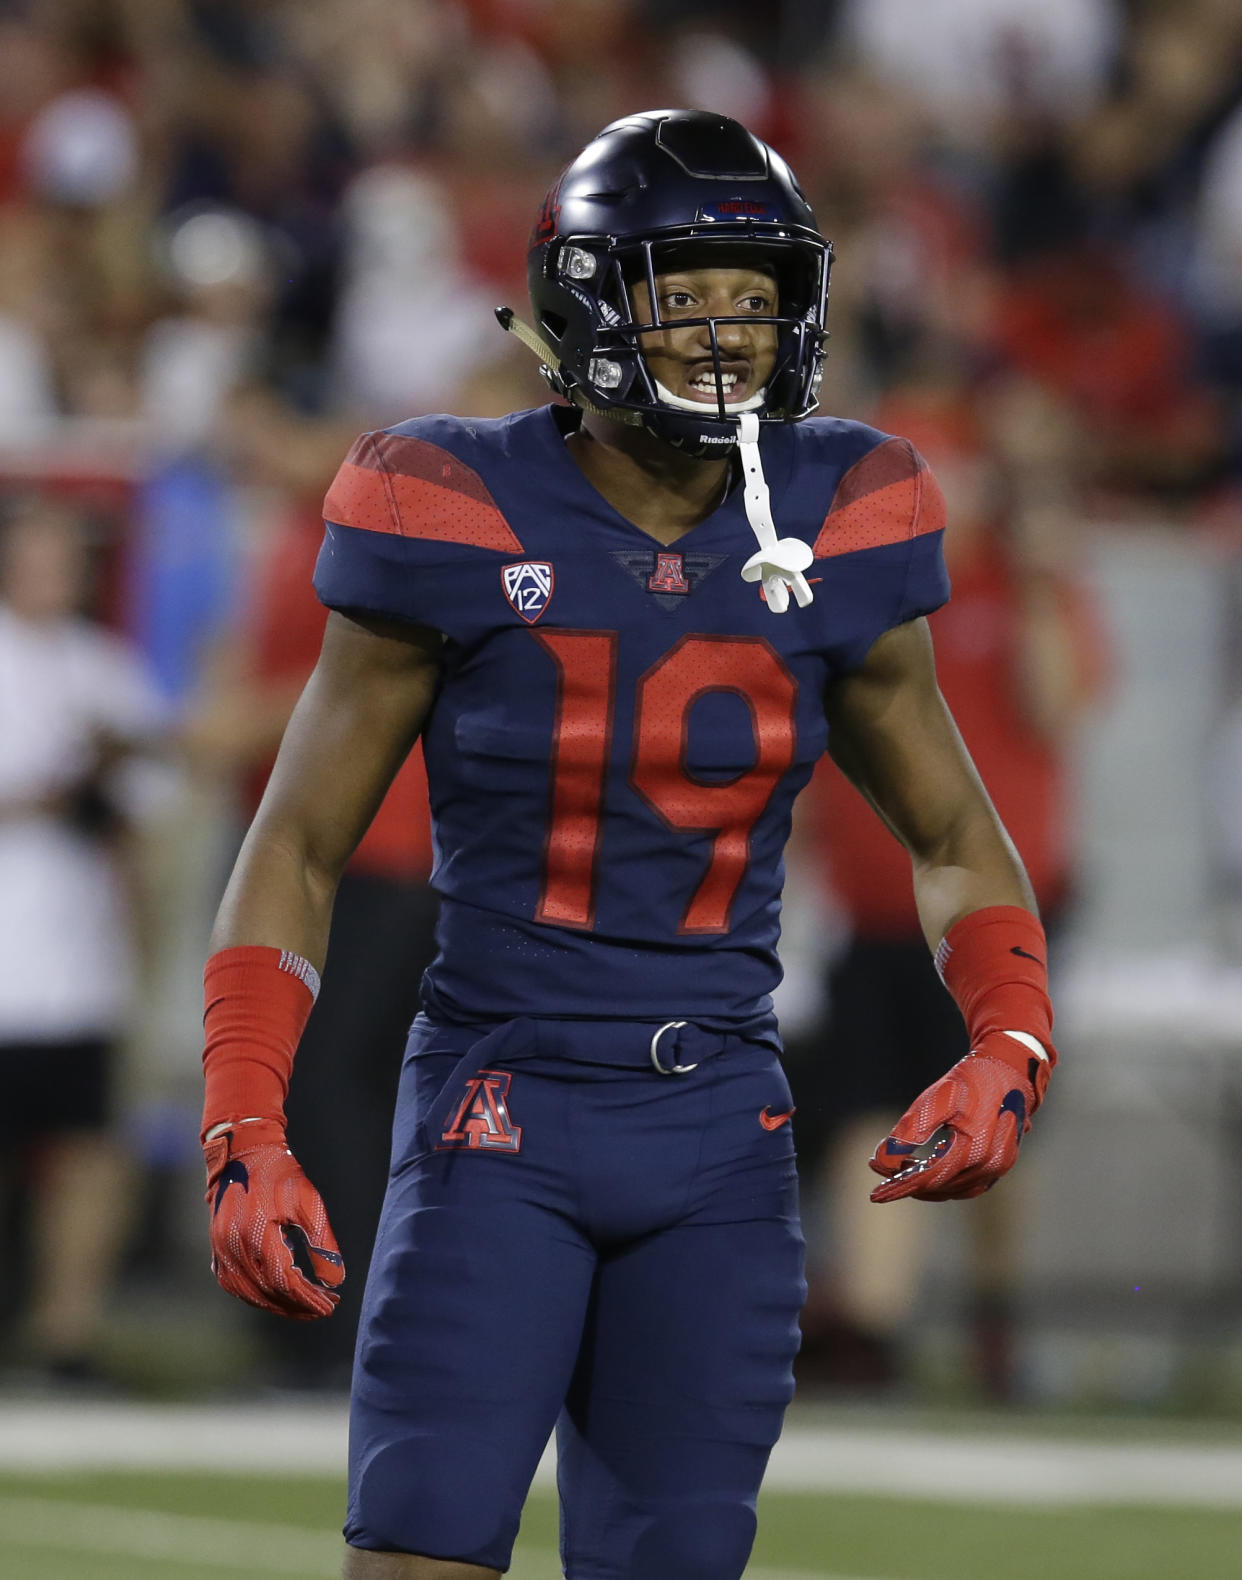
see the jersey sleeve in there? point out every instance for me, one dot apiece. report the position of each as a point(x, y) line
point(884, 533)
point(403, 518)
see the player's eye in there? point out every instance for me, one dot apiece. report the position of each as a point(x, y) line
point(756, 304)
point(678, 300)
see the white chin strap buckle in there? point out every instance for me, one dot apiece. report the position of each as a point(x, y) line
point(780, 562)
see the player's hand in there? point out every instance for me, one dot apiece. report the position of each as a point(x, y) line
point(962, 1134)
point(271, 1243)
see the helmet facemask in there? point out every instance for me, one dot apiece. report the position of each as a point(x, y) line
point(612, 374)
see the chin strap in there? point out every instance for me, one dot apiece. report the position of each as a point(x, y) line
point(780, 562)
point(534, 341)
point(530, 338)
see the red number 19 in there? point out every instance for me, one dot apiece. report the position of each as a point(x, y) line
point(582, 741)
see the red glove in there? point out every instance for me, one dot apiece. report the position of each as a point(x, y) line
point(962, 1134)
point(271, 1243)
point(984, 1105)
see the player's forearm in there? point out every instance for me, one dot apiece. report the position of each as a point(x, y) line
point(278, 896)
point(974, 865)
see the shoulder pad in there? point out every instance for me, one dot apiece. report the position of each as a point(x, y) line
point(403, 482)
point(885, 494)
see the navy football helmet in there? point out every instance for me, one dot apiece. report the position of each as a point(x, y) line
point(653, 191)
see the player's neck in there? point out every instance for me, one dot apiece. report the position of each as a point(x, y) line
point(645, 480)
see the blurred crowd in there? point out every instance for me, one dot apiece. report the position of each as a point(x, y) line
point(321, 202)
point(233, 233)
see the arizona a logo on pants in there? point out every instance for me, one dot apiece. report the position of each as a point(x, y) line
point(481, 1120)
point(528, 587)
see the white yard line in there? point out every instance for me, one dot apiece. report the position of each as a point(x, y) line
point(256, 1548)
point(191, 1539)
point(897, 1462)
point(250, 1439)
point(1006, 1470)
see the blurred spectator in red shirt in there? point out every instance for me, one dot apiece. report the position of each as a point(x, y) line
point(1019, 656)
point(1121, 359)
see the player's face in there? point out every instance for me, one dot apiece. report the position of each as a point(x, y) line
point(681, 359)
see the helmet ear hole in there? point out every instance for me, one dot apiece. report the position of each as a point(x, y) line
point(554, 324)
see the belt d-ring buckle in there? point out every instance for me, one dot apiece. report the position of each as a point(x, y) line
point(668, 1069)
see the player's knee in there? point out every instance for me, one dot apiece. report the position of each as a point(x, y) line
point(405, 1500)
point(699, 1541)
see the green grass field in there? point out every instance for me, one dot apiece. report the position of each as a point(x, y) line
point(144, 1526)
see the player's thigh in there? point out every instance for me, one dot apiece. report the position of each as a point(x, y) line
point(470, 1328)
point(681, 1388)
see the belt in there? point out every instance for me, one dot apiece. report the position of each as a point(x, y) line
point(675, 1048)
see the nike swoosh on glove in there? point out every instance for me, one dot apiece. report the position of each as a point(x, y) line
point(984, 1106)
point(271, 1243)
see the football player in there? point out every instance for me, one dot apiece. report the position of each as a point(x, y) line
point(626, 626)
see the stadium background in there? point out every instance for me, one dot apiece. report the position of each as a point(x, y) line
point(233, 234)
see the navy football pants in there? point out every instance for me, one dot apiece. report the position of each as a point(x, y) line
point(596, 1247)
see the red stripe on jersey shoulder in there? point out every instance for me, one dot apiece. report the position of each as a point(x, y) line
point(395, 483)
point(889, 496)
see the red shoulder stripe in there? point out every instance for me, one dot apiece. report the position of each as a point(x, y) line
point(889, 496)
point(394, 483)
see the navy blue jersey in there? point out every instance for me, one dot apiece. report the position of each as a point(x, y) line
point(621, 728)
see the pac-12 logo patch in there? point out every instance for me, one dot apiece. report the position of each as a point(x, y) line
point(528, 587)
point(481, 1120)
